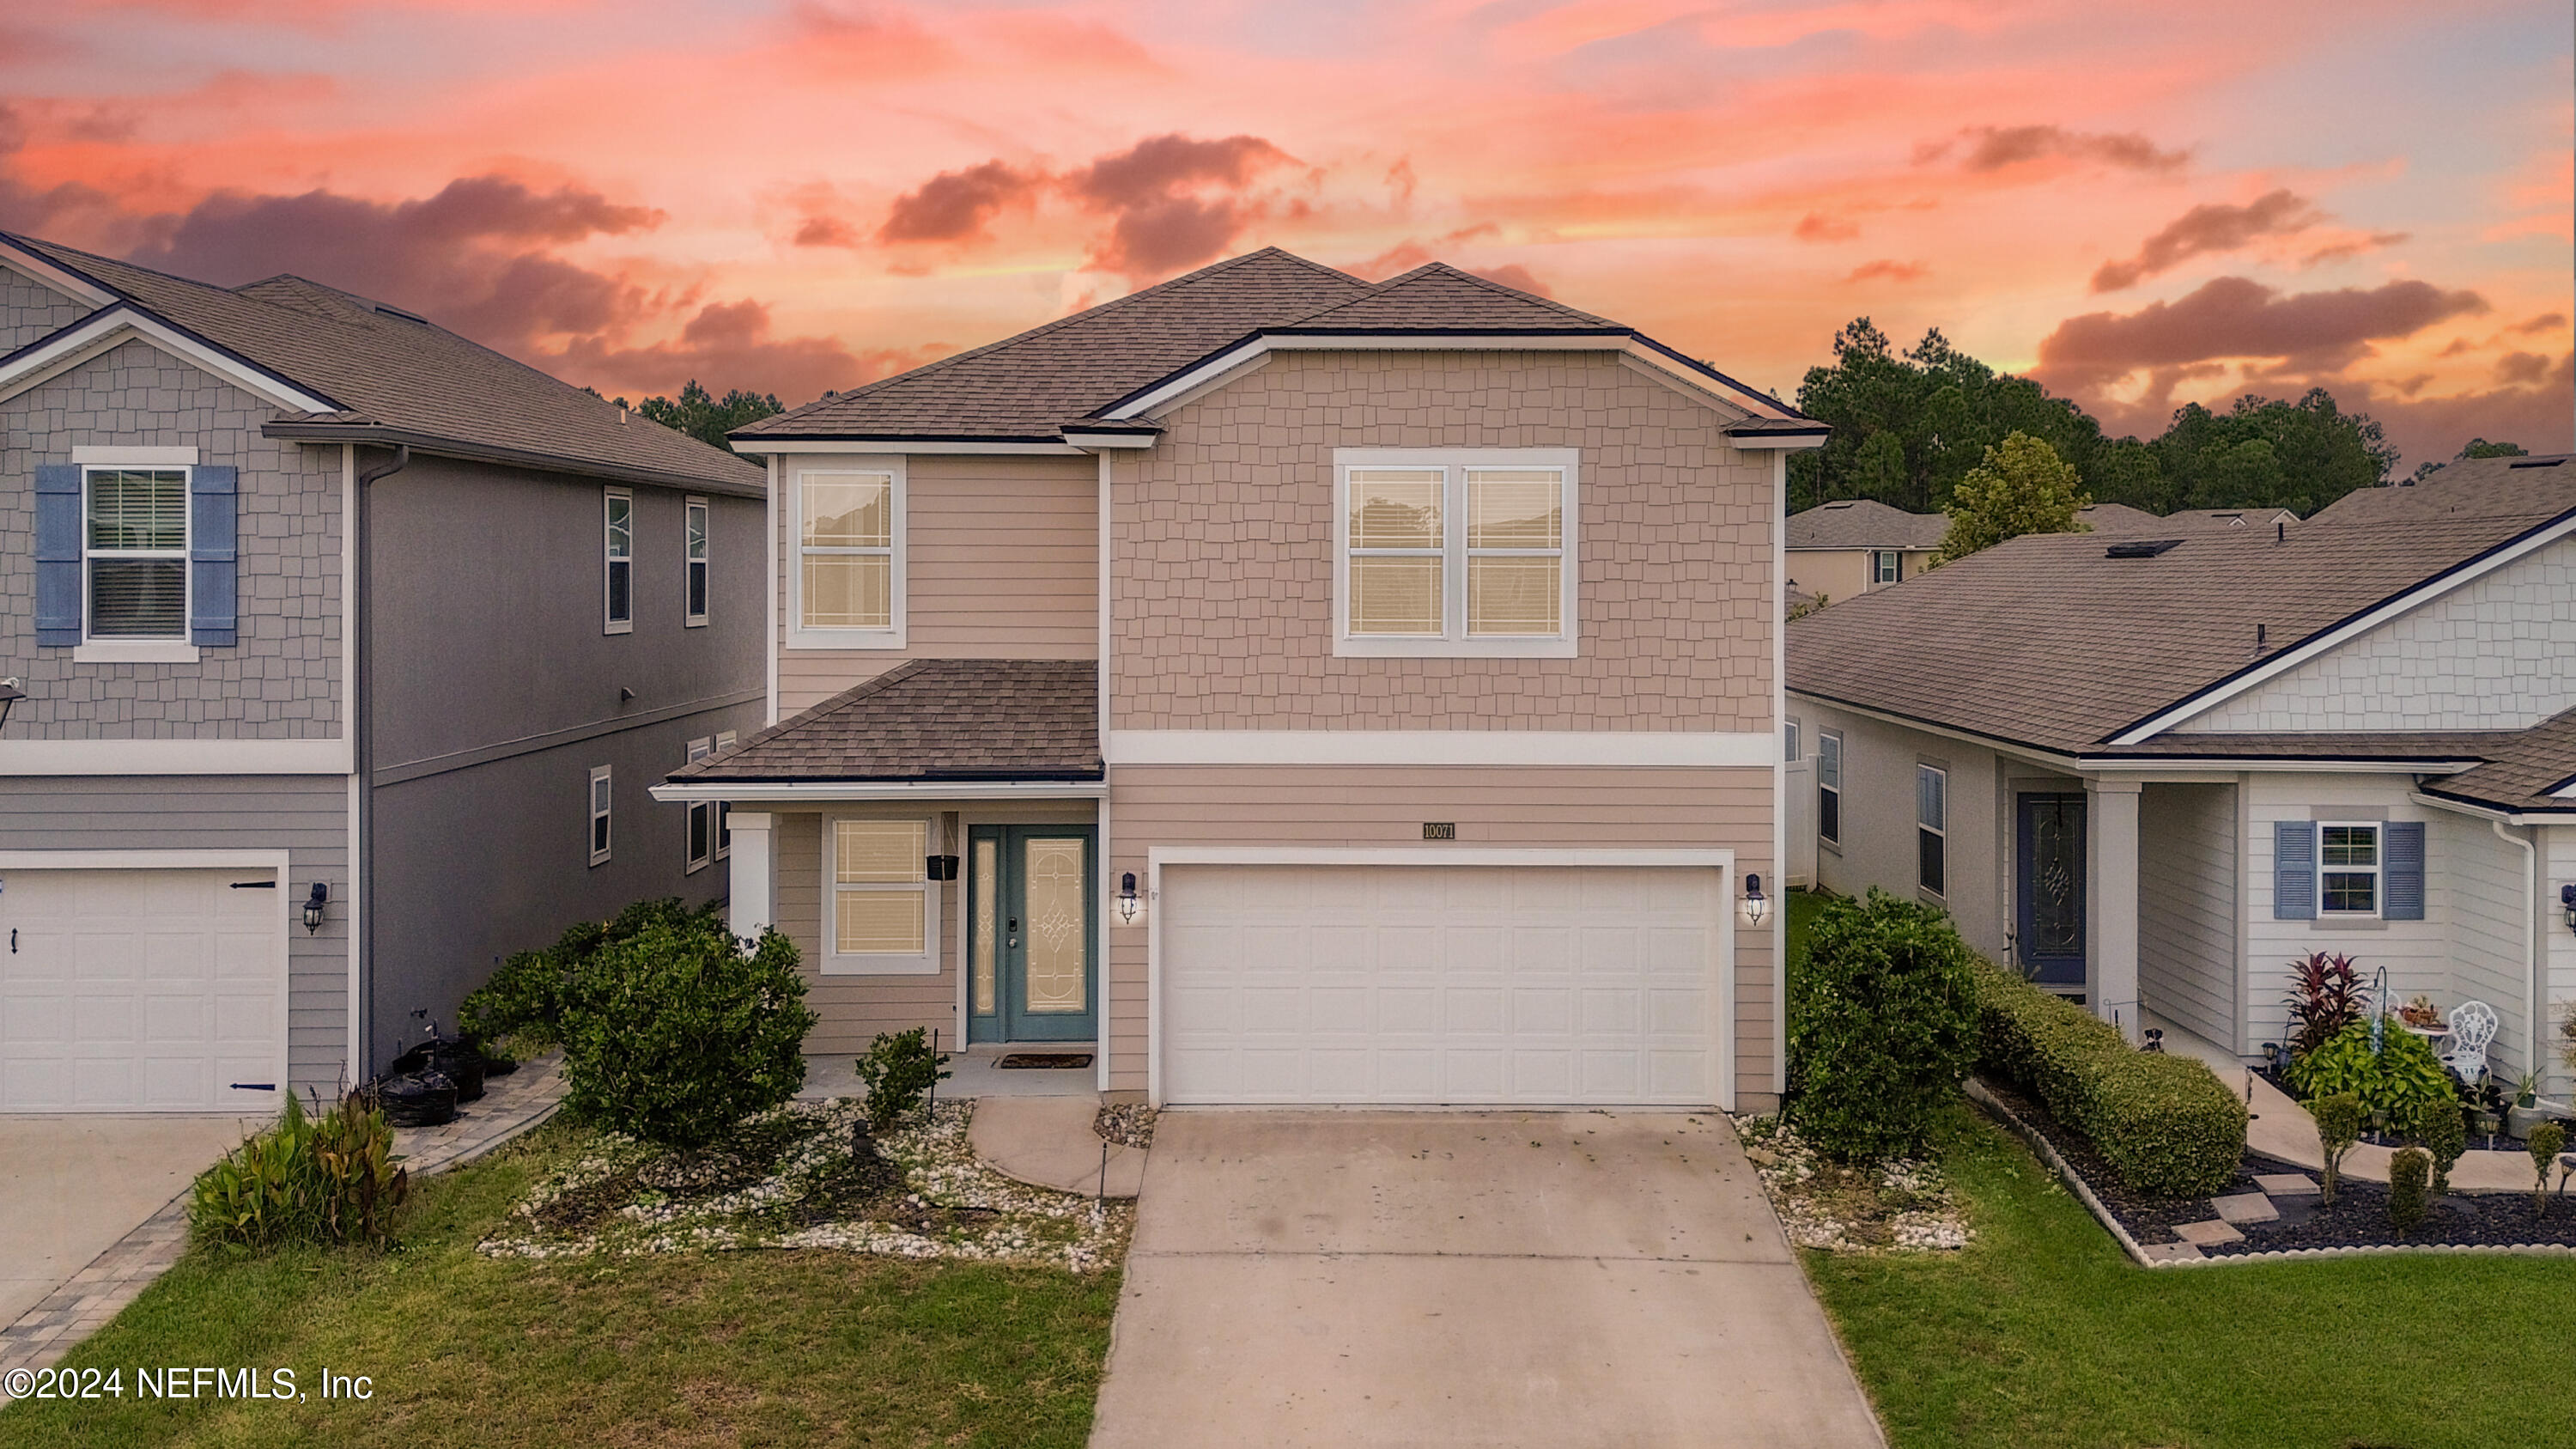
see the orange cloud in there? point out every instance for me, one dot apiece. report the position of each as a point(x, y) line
point(1888, 270)
point(2234, 317)
point(2214, 227)
point(1995, 148)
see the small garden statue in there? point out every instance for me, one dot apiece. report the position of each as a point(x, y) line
point(2338, 1128)
point(2545, 1142)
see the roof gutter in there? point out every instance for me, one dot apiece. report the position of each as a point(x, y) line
point(406, 439)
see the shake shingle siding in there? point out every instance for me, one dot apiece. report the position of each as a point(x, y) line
point(30, 310)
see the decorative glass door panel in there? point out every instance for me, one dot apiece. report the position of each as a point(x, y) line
point(2048, 889)
point(1033, 940)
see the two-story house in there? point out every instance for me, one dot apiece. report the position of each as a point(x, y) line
point(348, 652)
point(1288, 689)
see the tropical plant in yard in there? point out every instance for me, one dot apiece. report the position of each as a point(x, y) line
point(321, 1178)
point(2546, 1141)
point(2400, 1082)
point(898, 1070)
point(1882, 1027)
point(680, 1031)
point(2409, 1168)
point(2325, 997)
point(2338, 1120)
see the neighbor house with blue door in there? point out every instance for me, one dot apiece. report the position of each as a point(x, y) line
point(2152, 769)
point(347, 650)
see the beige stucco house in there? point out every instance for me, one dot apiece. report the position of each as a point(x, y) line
point(1286, 689)
point(1846, 548)
point(2152, 770)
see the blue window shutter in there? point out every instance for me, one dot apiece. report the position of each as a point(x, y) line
point(2294, 870)
point(58, 554)
point(213, 565)
point(2401, 895)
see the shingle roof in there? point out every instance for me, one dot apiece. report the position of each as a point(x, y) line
point(2471, 486)
point(2116, 518)
point(1865, 523)
point(933, 719)
point(400, 379)
point(2047, 642)
point(1035, 386)
point(2521, 773)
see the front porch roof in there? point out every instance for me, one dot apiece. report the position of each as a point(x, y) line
point(2534, 773)
point(931, 721)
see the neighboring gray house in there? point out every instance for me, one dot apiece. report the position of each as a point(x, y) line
point(252, 814)
point(1843, 549)
point(2154, 769)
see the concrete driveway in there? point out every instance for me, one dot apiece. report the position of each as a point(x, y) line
point(71, 1186)
point(1554, 1279)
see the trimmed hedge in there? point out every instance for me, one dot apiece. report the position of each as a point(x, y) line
point(2166, 1124)
point(1882, 1027)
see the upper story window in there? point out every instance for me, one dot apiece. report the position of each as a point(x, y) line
point(620, 552)
point(1455, 552)
point(135, 553)
point(2348, 869)
point(1886, 566)
point(695, 553)
point(1829, 786)
point(849, 559)
point(1789, 741)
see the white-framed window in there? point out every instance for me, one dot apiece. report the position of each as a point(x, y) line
point(1789, 741)
point(618, 550)
point(694, 559)
point(2349, 861)
point(1932, 827)
point(724, 808)
point(881, 909)
point(134, 554)
point(602, 796)
point(1455, 552)
point(702, 815)
point(1886, 566)
point(1829, 786)
point(848, 575)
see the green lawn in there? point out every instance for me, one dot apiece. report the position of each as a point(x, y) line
point(2044, 1334)
point(754, 1348)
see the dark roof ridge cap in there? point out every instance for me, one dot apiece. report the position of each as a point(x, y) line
point(125, 303)
point(1168, 284)
point(1436, 267)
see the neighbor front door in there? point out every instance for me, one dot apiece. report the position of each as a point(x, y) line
point(1032, 941)
point(2048, 889)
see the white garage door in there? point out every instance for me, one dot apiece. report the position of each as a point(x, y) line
point(1440, 984)
point(141, 990)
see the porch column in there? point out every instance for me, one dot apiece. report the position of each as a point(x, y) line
point(2111, 901)
point(753, 907)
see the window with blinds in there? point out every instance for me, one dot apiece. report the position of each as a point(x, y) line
point(135, 551)
point(845, 550)
point(1464, 554)
point(882, 899)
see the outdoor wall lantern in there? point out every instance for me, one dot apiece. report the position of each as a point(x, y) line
point(1755, 906)
point(1130, 905)
point(313, 905)
point(2566, 893)
point(10, 694)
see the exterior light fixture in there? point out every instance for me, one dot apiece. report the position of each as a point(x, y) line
point(1756, 907)
point(313, 905)
point(10, 694)
point(1130, 905)
point(2566, 893)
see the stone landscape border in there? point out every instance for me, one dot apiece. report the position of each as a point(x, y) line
point(2146, 1257)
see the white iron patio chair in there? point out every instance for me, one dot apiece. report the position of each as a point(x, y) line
point(2473, 1029)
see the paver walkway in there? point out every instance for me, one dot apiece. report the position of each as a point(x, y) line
point(1454, 1278)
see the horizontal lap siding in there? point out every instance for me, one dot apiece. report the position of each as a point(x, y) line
point(2488, 888)
point(1594, 808)
point(855, 1008)
point(2557, 847)
point(2417, 954)
point(2187, 908)
point(303, 815)
point(1002, 562)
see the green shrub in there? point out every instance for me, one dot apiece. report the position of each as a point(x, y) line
point(2408, 1170)
point(524, 997)
point(2338, 1119)
point(2546, 1141)
point(677, 1032)
point(1882, 1027)
point(2404, 1082)
point(325, 1179)
point(2444, 1131)
point(898, 1069)
point(2166, 1124)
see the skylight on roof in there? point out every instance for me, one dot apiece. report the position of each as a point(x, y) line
point(2141, 548)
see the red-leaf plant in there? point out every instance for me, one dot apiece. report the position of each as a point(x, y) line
point(2325, 997)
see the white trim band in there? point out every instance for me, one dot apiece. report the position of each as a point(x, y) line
point(174, 757)
point(1666, 748)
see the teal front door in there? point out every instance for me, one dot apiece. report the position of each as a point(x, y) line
point(1032, 936)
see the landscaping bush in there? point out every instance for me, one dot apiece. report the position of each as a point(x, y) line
point(2166, 1124)
point(2445, 1135)
point(524, 996)
point(898, 1069)
point(2408, 1170)
point(2545, 1143)
point(2325, 997)
point(1882, 1027)
point(677, 1032)
point(2403, 1082)
point(315, 1179)
point(2338, 1119)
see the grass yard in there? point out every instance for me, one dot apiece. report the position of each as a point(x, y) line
point(752, 1348)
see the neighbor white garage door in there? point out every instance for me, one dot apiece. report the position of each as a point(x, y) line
point(141, 990)
point(1440, 984)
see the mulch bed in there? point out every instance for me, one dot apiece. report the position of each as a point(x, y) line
point(2358, 1218)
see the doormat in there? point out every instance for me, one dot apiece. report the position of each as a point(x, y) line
point(1016, 1061)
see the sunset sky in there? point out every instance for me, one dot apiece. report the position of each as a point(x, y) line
point(2141, 204)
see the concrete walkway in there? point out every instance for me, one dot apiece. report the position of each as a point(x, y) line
point(1049, 1142)
point(2282, 1128)
point(1565, 1279)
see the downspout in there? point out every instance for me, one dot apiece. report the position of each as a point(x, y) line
point(362, 746)
point(2538, 991)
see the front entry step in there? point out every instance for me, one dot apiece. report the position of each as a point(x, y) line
point(1049, 1142)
